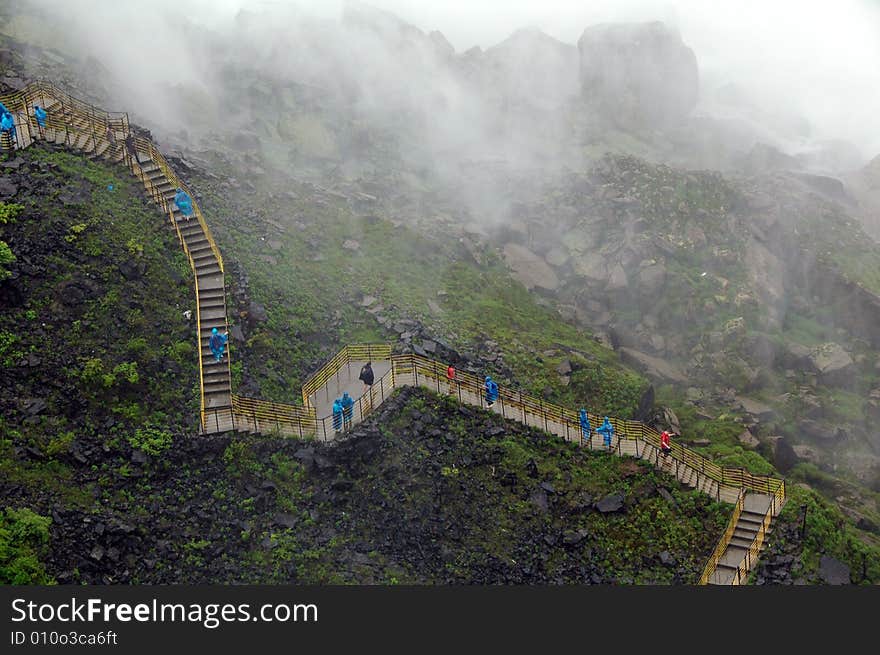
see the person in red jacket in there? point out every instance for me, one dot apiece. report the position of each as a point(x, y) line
point(664, 443)
point(450, 377)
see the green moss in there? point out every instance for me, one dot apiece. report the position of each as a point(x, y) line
point(24, 536)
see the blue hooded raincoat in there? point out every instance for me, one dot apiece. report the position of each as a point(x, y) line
point(607, 431)
point(337, 414)
point(585, 424)
point(491, 390)
point(347, 407)
point(183, 202)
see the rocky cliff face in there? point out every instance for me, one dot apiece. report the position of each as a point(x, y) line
point(638, 75)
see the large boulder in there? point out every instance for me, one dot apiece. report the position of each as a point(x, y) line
point(832, 363)
point(638, 74)
point(530, 269)
point(533, 68)
point(654, 367)
point(756, 408)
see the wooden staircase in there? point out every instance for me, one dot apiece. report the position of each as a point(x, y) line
point(747, 542)
point(99, 135)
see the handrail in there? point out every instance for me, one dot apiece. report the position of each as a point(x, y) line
point(319, 379)
point(724, 540)
point(86, 120)
point(83, 126)
point(751, 557)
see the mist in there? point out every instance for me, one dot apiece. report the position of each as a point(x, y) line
point(799, 74)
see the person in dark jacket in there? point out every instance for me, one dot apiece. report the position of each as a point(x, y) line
point(367, 376)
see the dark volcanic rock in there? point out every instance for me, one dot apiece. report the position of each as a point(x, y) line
point(7, 187)
point(833, 571)
point(610, 503)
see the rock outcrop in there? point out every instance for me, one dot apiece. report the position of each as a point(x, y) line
point(639, 75)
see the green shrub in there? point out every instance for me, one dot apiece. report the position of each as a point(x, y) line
point(6, 258)
point(23, 539)
point(137, 346)
point(9, 211)
point(93, 371)
point(60, 444)
point(151, 440)
point(127, 371)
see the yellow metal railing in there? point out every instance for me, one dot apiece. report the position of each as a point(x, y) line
point(348, 354)
point(263, 415)
point(84, 122)
point(724, 541)
point(84, 126)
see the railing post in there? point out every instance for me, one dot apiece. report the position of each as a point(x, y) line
point(66, 126)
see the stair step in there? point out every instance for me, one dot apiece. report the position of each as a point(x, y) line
point(203, 254)
point(748, 535)
point(208, 271)
point(747, 521)
point(216, 388)
point(741, 542)
point(206, 301)
point(197, 242)
point(212, 314)
point(200, 248)
point(190, 229)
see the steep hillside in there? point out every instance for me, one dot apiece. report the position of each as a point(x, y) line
point(747, 300)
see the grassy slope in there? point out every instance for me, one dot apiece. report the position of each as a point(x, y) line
point(312, 287)
point(115, 365)
point(456, 490)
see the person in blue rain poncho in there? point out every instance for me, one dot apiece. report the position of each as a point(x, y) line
point(337, 414)
point(184, 203)
point(585, 425)
point(217, 343)
point(40, 115)
point(347, 408)
point(491, 391)
point(7, 124)
point(607, 432)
